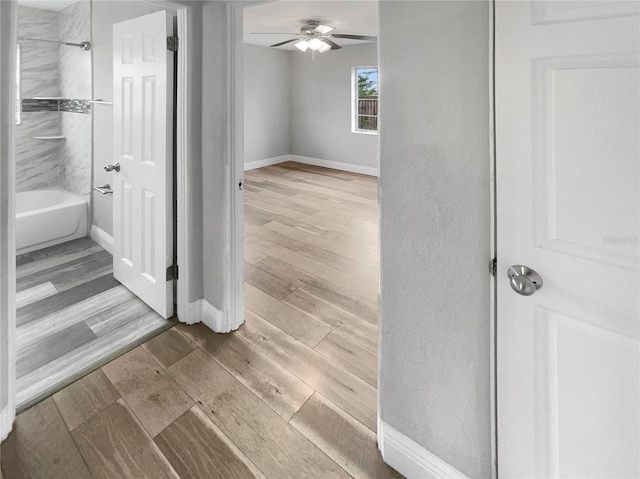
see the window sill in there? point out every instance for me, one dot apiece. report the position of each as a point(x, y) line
point(365, 132)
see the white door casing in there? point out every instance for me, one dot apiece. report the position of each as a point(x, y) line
point(8, 36)
point(568, 205)
point(143, 145)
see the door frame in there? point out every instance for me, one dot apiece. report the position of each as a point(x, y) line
point(184, 180)
point(493, 254)
point(184, 165)
point(185, 311)
point(234, 272)
point(8, 40)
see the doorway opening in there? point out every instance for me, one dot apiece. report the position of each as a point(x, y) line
point(72, 315)
point(311, 276)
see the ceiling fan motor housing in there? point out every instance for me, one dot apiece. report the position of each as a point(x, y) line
point(311, 28)
point(318, 37)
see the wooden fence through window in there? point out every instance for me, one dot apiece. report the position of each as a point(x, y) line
point(368, 113)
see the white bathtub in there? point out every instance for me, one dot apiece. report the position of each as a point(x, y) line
point(47, 217)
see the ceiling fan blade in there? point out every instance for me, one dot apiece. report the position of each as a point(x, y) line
point(333, 45)
point(272, 33)
point(283, 43)
point(355, 37)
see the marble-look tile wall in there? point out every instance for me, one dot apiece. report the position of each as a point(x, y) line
point(37, 164)
point(56, 71)
point(75, 82)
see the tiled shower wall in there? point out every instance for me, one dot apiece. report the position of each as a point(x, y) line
point(75, 82)
point(52, 70)
point(37, 164)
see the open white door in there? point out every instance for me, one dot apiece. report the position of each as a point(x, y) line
point(568, 206)
point(143, 145)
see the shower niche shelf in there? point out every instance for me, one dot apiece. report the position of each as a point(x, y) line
point(56, 104)
point(49, 137)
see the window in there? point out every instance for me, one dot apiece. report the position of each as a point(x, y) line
point(365, 100)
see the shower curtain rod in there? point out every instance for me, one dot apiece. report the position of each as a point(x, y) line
point(82, 45)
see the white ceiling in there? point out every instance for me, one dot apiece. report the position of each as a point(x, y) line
point(358, 17)
point(55, 5)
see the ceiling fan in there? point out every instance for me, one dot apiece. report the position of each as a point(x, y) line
point(317, 37)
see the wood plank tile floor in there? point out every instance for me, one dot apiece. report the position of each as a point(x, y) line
point(291, 394)
point(71, 316)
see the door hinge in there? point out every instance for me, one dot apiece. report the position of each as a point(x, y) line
point(172, 44)
point(493, 267)
point(241, 184)
point(172, 272)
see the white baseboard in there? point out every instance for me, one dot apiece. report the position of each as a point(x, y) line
point(201, 311)
point(7, 417)
point(335, 165)
point(252, 165)
point(307, 160)
point(103, 238)
point(215, 319)
point(409, 458)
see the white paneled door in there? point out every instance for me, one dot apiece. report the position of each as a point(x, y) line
point(142, 130)
point(568, 195)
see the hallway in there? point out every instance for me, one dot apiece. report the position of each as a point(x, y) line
point(291, 394)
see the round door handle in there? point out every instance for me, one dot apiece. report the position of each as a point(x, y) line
point(524, 280)
point(112, 167)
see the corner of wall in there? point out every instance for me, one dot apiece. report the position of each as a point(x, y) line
point(252, 165)
point(215, 319)
point(409, 458)
point(201, 311)
point(103, 238)
point(7, 416)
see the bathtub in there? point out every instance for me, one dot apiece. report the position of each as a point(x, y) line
point(48, 216)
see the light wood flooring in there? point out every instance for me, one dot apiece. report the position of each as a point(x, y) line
point(291, 394)
point(71, 316)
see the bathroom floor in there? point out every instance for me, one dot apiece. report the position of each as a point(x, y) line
point(72, 316)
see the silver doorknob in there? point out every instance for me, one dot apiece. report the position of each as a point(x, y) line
point(524, 280)
point(112, 167)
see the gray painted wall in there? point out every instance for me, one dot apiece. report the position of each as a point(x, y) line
point(321, 106)
point(104, 14)
point(435, 228)
point(296, 106)
point(267, 103)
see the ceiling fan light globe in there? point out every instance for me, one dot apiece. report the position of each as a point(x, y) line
point(302, 45)
point(316, 44)
point(325, 47)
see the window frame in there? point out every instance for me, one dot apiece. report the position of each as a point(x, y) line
point(355, 98)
